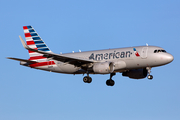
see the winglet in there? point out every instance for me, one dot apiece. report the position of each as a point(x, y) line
point(23, 43)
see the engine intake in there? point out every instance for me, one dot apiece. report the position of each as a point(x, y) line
point(103, 68)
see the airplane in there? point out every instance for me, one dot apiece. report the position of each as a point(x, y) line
point(133, 62)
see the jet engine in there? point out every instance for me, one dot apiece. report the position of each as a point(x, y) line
point(136, 73)
point(103, 67)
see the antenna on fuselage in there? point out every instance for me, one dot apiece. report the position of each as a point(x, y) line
point(146, 44)
point(79, 50)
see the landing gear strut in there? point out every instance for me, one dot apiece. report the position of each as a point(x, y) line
point(150, 77)
point(110, 82)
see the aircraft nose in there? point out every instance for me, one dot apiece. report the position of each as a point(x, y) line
point(169, 58)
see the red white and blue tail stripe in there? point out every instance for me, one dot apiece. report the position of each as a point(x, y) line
point(34, 41)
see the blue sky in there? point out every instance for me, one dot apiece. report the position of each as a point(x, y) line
point(67, 26)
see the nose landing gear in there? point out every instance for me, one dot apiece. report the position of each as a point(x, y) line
point(150, 77)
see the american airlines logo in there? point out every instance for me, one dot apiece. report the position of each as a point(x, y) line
point(106, 56)
point(136, 53)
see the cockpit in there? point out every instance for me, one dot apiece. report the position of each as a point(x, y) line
point(158, 51)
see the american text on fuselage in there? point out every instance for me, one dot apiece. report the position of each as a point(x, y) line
point(106, 56)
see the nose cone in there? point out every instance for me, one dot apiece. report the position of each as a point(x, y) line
point(169, 58)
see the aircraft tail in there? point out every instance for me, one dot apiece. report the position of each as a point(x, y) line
point(34, 41)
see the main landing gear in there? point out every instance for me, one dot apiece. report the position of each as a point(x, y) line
point(150, 77)
point(110, 82)
point(87, 79)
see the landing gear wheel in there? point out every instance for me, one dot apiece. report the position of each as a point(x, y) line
point(150, 77)
point(90, 80)
point(87, 79)
point(110, 82)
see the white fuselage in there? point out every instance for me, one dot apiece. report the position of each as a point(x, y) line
point(123, 59)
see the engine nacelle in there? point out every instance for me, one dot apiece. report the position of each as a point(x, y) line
point(103, 68)
point(136, 74)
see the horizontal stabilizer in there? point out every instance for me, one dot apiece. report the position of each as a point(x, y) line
point(23, 60)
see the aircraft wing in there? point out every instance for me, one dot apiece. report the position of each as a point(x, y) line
point(62, 58)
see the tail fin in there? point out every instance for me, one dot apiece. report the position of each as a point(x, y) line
point(34, 41)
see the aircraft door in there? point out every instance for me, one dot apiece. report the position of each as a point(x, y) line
point(144, 52)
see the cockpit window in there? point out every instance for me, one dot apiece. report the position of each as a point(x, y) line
point(163, 51)
point(158, 51)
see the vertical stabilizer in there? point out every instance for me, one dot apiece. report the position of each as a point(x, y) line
point(34, 41)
